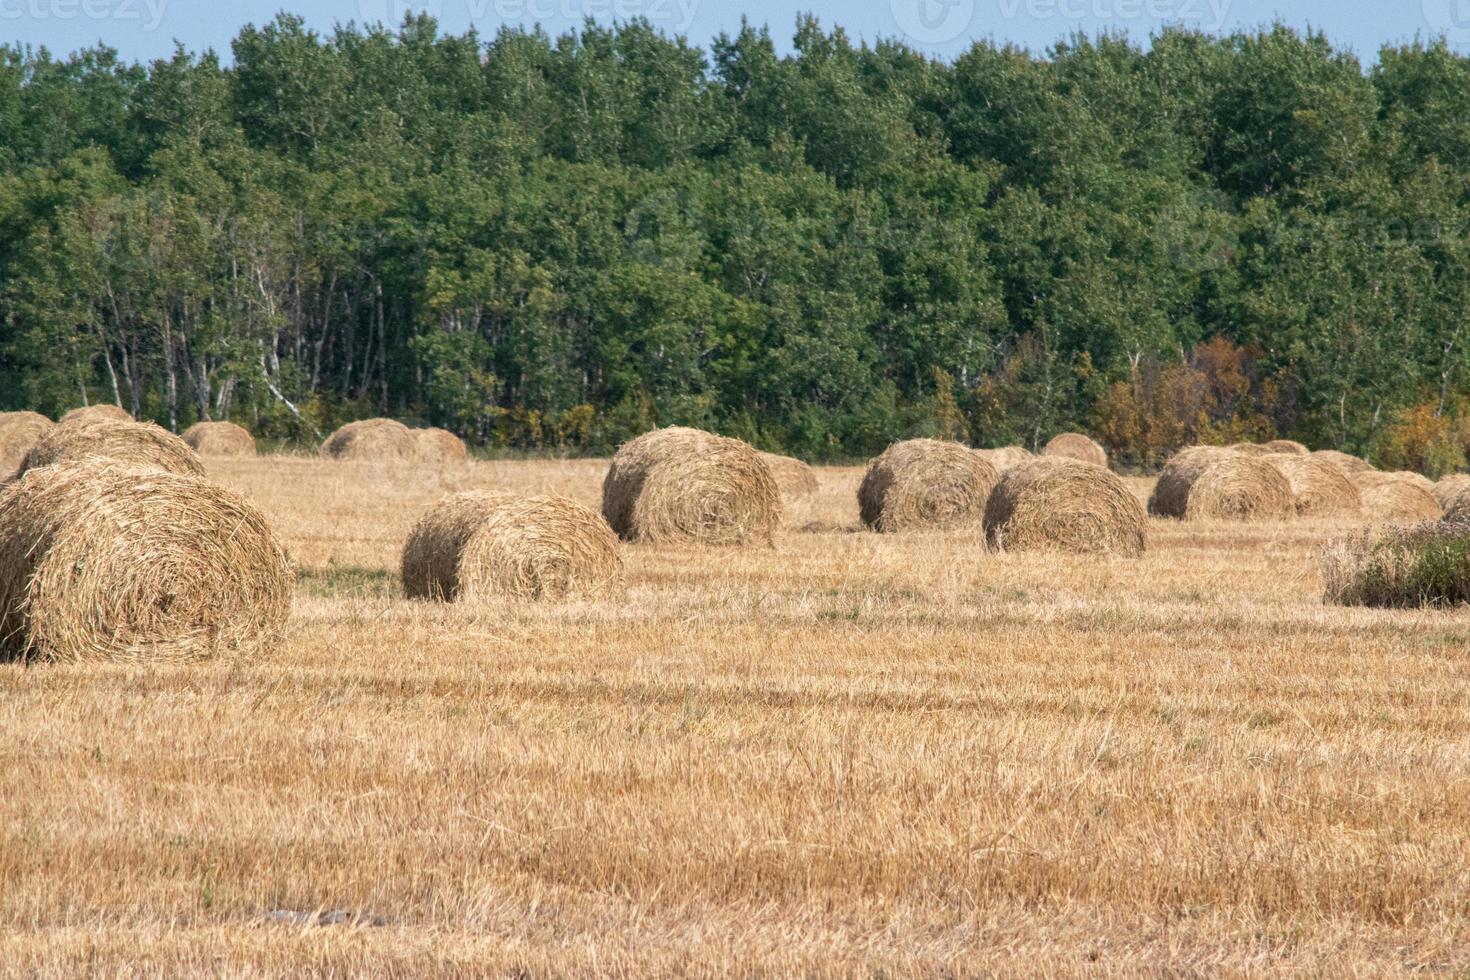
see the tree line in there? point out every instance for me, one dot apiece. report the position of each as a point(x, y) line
point(543, 241)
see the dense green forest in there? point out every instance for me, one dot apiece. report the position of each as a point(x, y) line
point(561, 242)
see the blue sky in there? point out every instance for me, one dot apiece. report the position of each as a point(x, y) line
point(146, 29)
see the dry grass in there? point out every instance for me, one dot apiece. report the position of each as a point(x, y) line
point(852, 754)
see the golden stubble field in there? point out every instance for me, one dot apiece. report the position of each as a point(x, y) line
point(850, 754)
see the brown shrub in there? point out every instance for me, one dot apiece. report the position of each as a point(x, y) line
point(1318, 488)
point(1075, 445)
point(134, 443)
point(680, 484)
point(925, 484)
point(1060, 504)
point(795, 478)
point(1399, 566)
point(372, 440)
point(106, 561)
point(219, 439)
point(481, 545)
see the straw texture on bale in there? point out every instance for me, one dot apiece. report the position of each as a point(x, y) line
point(482, 545)
point(1393, 497)
point(1170, 497)
point(219, 439)
point(371, 440)
point(1006, 457)
point(1400, 566)
point(106, 561)
point(135, 443)
point(1373, 477)
point(1347, 463)
point(89, 413)
point(1449, 487)
point(440, 446)
point(1060, 504)
point(19, 431)
point(795, 478)
point(1457, 506)
point(1252, 449)
point(680, 484)
point(924, 484)
point(1318, 489)
point(1287, 446)
point(1075, 445)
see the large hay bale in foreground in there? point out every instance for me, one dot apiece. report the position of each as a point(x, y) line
point(1347, 463)
point(91, 413)
point(795, 478)
point(19, 431)
point(681, 484)
point(925, 484)
point(134, 443)
point(1448, 488)
point(482, 545)
point(1318, 488)
point(1006, 457)
point(440, 446)
point(1395, 497)
point(105, 561)
point(1075, 445)
point(1287, 446)
point(219, 439)
point(1060, 504)
point(1207, 482)
point(372, 440)
point(1399, 566)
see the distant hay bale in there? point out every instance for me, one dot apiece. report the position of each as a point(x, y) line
point(440, 446)
point(1343, 461)
point(1061, 504)
point(1287, 446)
point(107, 561)
point(922, 484)
point(89, 413)
point(681, 484)
point(219, 439)
point(1251, 449)
point(795, 478)
point(1205, 482)
point(1449, 487)
point(1318, 488)
point(1395, 497)
point(482, 545)
point(1075, 445)
point(19, 431)
point(1399, 566)
point(134, 443)
point(1371, 477)
point(1006, 457)
point(371, 440)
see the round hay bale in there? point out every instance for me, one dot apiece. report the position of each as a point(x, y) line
point(1287, 446)
point(1450, 486)
point(1061, 504)
point(795, 478)
point(681, 484)
point(1393, 497)
point(1006, 457)
point(1343, 461)
point(1251, 449)
point(1075, 445)
point(371, 440)
point(89, 413)
point(440, 446)
point(1374, 477)
point(219, 439)
point(1457, 505)
point(134, 443)
point(1170, 497)
point(106, 561)
point(923, 484)
point(19, 431)
point(1318, 488)
point(482, 545)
